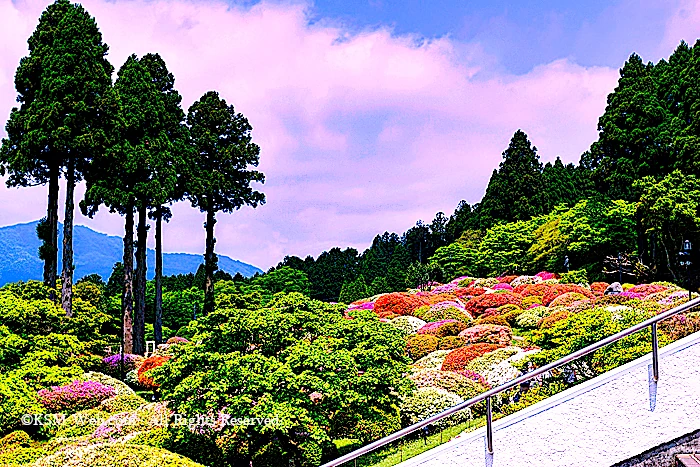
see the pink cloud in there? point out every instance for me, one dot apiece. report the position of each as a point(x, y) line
point(359, 134)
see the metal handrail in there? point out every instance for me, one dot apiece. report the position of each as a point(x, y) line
point(521, 379)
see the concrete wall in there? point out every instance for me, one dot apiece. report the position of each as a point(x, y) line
point(605, 421)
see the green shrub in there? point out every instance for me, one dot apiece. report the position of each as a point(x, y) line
point(377, 425)
point(451, 342)
point(20, 456)
point(420, 345)
point(16, 399)
point(122, 403)
point(114, 455)
point(15, 439)
point(81, 423)
point(578, 276)
point(432, 314)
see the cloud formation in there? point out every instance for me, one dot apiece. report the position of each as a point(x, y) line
point(358, 133)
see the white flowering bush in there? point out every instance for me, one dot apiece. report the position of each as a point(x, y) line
point(427, 401)
point(530, 318)
point(408, 324)
point(524, 280)
point(487, 362)
point(450, 381)
point(120, 388)
point(432, 361)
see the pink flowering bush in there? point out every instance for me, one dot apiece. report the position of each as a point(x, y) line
point(488, 333)
point(131, 362)
point(544, 275)
point(78, 395)
point(502, 286)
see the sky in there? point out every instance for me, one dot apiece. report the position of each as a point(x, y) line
point(370, 115)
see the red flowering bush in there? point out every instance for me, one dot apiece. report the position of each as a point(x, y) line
point(506, 279)
point(598, 288)
point(527, 290)
point(551, 320)
point(458, 359)
point(148, 364)
point(489, 333)
point(398, 304)
point(647, 289)
point(443, 328)
point(433, 299)
point(567, 299)
point(469, 291)
point(477, 305)
point(560, 289)
point(420, 345)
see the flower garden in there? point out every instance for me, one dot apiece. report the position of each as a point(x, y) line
point(324, 372)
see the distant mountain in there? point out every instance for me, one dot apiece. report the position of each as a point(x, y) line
point(94, 252)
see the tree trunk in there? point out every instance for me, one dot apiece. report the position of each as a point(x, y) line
point(51, 259)
point(210, 263)
point(158, 324)
point(128, 297)
point(140, 285)
point(67, 274)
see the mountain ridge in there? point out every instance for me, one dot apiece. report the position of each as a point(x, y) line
point(94, 253)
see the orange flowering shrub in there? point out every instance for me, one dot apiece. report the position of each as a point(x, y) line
point(469, 291)
point(433, 299)
point(647, 289)
point(616, 299)
point(477, 305)
point(507, 279)
point(148, 364)
point(397, 303)
point(493, 319)
point(598, 288)
point(560, 289)
point(458, 359)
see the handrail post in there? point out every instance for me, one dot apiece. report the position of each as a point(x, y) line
point(654, 352)
point(489, 429)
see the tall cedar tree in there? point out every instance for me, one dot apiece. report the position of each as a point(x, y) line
point(177, 133)
point(64, 88)
point(220, 175)
point(515, 190)
point(124, 177)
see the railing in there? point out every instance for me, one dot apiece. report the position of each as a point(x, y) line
point(522, 379)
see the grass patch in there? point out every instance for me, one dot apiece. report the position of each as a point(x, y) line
point(408, 447)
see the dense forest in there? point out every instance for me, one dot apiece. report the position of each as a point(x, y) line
point(632, 196)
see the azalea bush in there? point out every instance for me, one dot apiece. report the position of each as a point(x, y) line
point(443, 328)
point(77, 395)
point(396, 304)
point(451, 342)
point(144, 377)
point(450, 381)
point(427, 401)
point(113, 364)
point(489, 333)
point(421, 345)
point(478, 305)
point(458, 359)
point(432, 361)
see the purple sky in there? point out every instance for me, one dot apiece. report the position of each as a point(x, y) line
point(363, 128)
